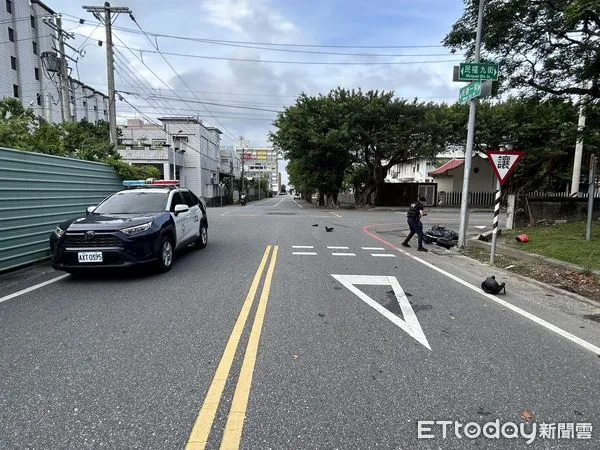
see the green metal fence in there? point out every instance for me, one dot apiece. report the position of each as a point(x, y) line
point(39, 191)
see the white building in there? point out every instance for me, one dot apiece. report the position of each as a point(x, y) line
point(260, 161)
point(182, 148)
point(417, 171)
point(26, 54)
point(231, 163)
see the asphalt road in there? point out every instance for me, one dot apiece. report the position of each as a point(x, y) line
point(282, 335)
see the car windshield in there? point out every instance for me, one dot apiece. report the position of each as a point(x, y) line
point(134, 202)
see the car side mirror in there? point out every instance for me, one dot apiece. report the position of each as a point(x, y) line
point(90, 209)
point(181, 208)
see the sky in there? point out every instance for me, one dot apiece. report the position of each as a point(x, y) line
point(247, 69)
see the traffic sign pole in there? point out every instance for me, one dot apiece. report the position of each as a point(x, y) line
point(464, 203)
point(495, 221)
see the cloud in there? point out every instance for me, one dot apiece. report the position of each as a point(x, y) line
point(254, 18)
point(269, 85)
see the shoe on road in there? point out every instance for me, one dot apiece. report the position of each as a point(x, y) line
point(422, 249)
point(404, 244)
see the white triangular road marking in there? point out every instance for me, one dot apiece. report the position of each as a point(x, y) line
point(410, 323)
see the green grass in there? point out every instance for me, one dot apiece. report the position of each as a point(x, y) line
point(565, 242)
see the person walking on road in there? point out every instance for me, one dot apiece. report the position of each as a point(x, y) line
point(413, 217)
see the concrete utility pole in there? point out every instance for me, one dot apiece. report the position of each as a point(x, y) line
point(464, 204)
point(64, 73)
point(591, 194)
point(578, 153)
point(108, 11)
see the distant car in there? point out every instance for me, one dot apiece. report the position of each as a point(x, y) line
point(282, 193)
point(140, 225)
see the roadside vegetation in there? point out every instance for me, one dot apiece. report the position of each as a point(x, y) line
point(565, 242)
point(21, 129)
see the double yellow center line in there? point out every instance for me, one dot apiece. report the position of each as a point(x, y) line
point(235, 421)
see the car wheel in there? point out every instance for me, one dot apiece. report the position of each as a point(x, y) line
point(166, 254)
point(203, 238)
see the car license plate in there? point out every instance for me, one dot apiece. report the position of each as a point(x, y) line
point(89, 257)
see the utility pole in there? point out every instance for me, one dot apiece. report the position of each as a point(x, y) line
point(578, 152)
point(464, 203)
point(55, 23)
point(64, 73)
point(591, 194)
point(108, 19)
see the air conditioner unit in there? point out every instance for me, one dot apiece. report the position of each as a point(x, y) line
point(213, 178)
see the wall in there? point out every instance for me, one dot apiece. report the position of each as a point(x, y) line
point(37, 192)
point(483, 180)
point(552, 209)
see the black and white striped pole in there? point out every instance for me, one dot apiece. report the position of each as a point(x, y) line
point(495, 221)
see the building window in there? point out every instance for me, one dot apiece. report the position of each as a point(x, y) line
point(34, 48)
point(32, 21)
point(9, 6)
point(11, 35)
point(158, 143)
point(16, 90)
point(37, 73)
point(104, 112)
point(84, 103)
point(39, 100)
point(13, 62)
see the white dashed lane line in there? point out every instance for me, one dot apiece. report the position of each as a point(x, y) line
point(339, 247)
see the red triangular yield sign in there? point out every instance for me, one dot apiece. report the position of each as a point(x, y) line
point(504, 163)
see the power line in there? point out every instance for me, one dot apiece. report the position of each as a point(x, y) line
point(210, 103)
point(225, 130)
point(273, 61)
point(271, 44)
point(151, 71)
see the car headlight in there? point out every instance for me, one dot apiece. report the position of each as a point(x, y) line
point(137, 229)
point(58, 232)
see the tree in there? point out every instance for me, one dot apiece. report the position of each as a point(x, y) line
point(354, 137)
point(16, 123)
point(545, 129)
point(548, 46)
point(313, 132)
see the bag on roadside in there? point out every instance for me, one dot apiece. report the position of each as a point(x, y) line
point(491, 286)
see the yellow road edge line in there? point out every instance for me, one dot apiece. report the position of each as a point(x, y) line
point(201, 429)
point(237, 414)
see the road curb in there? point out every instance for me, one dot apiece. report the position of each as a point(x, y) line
point(530, 257)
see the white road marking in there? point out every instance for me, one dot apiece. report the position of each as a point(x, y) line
point(278, 203)
point(299, 206)
point(32, 288)
point(384, 255)
point(337, 215)
point(302, 246)
point(343, 254)
point(337, 248)
point(410, 324)
point(522, 312)
point(228, 212)
point(480, 227)
point(373, 248)
point(304, 253)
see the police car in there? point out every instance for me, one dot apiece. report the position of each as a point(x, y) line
point(144, 223)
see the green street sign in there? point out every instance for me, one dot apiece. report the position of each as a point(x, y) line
point(478, 71)
point(470, 91)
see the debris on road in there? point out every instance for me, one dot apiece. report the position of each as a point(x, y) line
point(441, 236)
point(491, 286)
